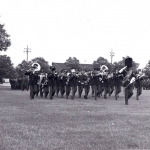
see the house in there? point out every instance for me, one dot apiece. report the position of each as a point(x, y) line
point(60, 66)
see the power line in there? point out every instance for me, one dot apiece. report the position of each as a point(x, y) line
point(27, 51)
point(112, 54)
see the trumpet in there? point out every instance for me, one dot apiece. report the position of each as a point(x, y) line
point(121, 70)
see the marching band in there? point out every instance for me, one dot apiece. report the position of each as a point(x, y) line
point(99, 80)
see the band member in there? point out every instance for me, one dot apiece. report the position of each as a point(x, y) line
point(68, 86)
point(87, 79)
point(128, 78)
point(33, 79)
point(57, 83)
point(95, 82)
point(81, 82)
point(51, 82)
point(105, 80)
point(117, 82)
point(138, 83)
point(44, 88)
point(111, 83)
point(73, 82)
point(62, 82)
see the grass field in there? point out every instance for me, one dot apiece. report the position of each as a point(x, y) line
point(79, 124)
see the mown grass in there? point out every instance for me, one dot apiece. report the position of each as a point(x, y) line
point(79, 124)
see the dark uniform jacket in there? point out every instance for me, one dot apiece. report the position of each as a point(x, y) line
point(117, 79)
point(51, 79)
point(33, 78)
point(73, 80)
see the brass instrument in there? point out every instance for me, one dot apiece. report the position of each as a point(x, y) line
point(103, 68)
point(34, 67)
point(138, 77)
point(121, 70)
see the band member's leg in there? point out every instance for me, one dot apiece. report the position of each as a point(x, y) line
point(46, 91)
point(35, 89)
point(92, 87)
point(106, 91)
point(95, 91)
point(73, 91)
point(67, 91)
point(31, 92)
point(50, 92)
point(86, 91)
point(79, 91)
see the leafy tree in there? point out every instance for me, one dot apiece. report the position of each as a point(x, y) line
point(4, 39)
point(147, 69)
point(22, 68)
point(120, 64)
point(6, 67)
point(43, 63)
point(101, 61)
point(72, 63)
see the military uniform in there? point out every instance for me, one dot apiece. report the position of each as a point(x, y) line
point(33, 79)
point(128, 75)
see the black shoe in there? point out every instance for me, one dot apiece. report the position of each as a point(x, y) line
point(85, 96)
point(116, 97)
point(51, 97)
point(72, 97)
point(66, 97)
point(126, 103)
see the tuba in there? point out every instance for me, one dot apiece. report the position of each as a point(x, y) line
point(34, 67)
point(103, 68)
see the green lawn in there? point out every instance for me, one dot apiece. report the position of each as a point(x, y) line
point(79, 124)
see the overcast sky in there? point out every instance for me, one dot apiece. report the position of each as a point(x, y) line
point(86, 29)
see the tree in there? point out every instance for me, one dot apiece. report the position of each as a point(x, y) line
point(22, 68)
point(43, 63)
point(4, 39)
point(72, 63)
point(120, 64)
point(147, 69)
point(101, 61)
point(6, 67)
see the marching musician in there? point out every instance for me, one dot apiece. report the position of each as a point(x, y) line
point(62, 82)
point(73, 82)
point(95, 81)
point(57, 82)
point(138, 83)
point(111, 83)
point(87, 80)
point(117, 82)
point(105, 83)
point(129, 76)
point(51, 82)
point(44, 85)
point(81, 80)
point(68, 86)
point(33, 79)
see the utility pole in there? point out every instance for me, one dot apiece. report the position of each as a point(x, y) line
point(112, 54)
point(27, 51)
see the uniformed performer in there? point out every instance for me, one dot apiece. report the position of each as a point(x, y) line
point(95, 81)
point(138, 83)
point(117, 82)
point(33, 79)
point(73, 82)
point(51, 81)
point(129, 76)
point(62, 82)
point(68, 85)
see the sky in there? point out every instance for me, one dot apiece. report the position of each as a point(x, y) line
point(85, 29)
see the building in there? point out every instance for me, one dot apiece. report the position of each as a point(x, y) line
point(60, 66)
